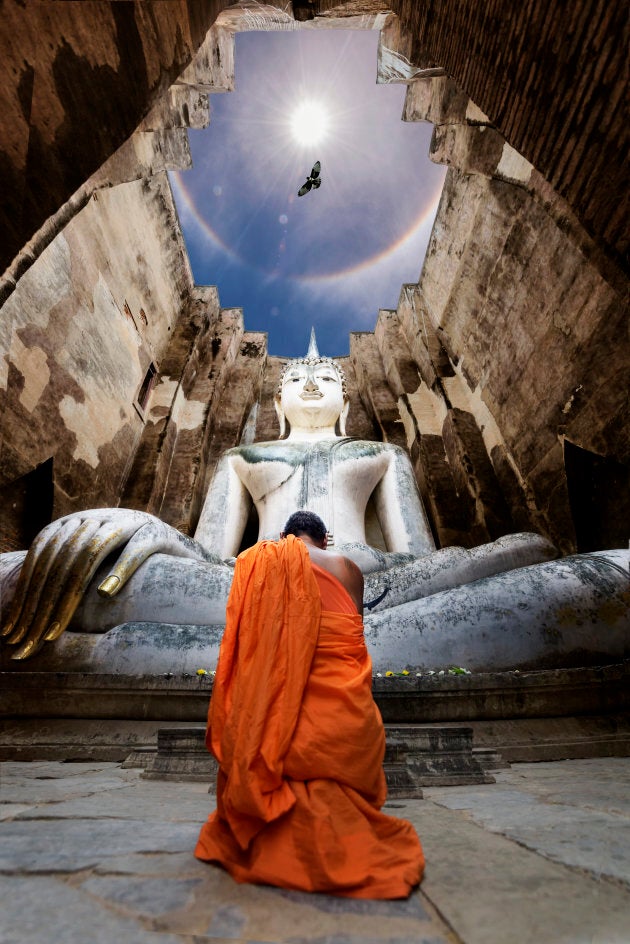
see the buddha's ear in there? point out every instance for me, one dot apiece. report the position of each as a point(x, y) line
point(280, 415)
point(342, 418)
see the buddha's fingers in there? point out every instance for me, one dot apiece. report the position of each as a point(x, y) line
point(36, 614)
point(154, 537)
point(105, 542)
point(30, 561)
point(68, 561)
point(32, 584)
point(70, 578)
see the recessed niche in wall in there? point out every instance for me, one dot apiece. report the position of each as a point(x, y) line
point(27, 507)
point(144, 393)
point(598, 495)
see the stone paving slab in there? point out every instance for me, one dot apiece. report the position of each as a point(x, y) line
point(57, 791)
point(11, 810)
point(590, 784)
point(493, 891)
point(71, 845)
point(165, 864)
point(155, 801)
point(44, 909)
point(215, 906)
point(98, 855)
point(574, 812)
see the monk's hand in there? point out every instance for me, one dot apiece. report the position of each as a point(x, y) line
point(64, 558)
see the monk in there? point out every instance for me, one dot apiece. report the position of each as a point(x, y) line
point(297, 734)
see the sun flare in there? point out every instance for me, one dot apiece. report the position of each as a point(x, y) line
point(309, 123)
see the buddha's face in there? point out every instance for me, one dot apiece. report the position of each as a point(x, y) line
point(312, 395)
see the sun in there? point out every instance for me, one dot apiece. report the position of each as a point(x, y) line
point(309, 123)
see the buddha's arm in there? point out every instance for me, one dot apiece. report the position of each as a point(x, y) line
point(225, 511)
point(399, 508)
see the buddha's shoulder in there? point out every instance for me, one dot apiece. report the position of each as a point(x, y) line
point(272, 451)
point(356, 448)
point(297, 451)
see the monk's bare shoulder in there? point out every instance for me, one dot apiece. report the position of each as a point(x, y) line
point(348, 574)
point(344, 569)
point(335, 563)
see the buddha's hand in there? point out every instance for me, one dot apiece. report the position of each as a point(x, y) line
point(65, 556)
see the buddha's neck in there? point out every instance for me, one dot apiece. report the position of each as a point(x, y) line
point(311, 435)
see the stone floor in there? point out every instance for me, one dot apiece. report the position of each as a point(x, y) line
point(89, 852)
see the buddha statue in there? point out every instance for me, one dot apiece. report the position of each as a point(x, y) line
point(491, 607)
point(315, 468)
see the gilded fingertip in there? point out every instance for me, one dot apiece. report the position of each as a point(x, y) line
point(109, 587)
point(53, 631)
point(6, 629)
point(24, 651)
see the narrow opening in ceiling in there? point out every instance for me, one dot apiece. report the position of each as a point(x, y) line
point(337, 254)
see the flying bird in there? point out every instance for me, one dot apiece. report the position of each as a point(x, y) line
point(313, 181)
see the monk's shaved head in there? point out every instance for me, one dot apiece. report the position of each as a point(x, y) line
point(305, 522)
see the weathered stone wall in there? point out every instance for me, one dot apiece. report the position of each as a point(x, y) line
point(552, 78)
point(409, 370)
point(76, 80)
point(78, 334)
point(525, 320)
point(537, 337)
point(192, 371)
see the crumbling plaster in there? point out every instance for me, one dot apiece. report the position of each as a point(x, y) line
point(77, 78)
point(81, 328)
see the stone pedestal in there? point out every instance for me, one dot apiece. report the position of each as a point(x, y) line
point(426, 756)
point(415, 756)
point(181, 755)
point(524, 717)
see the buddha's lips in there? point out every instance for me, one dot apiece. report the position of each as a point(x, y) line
point(311, 396)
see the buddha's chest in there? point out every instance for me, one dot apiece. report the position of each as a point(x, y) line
point(312, 475)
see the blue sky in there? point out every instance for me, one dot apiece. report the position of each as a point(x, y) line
point(334, 256)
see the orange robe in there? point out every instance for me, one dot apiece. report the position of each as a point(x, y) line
point(299, 739)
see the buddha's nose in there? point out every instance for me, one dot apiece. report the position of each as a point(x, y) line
point(310, 385)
